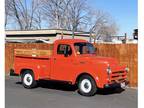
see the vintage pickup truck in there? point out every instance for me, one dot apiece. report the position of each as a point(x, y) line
point(73, 61)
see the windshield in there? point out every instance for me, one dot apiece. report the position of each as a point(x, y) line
point(84, 48)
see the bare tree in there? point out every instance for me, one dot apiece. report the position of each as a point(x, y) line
point(77, 14)
point(22, 12)
point(101, 25)
point(38, 19)
point(54, 11)
point(65, 14)
point(72, 15)
point(7, 12)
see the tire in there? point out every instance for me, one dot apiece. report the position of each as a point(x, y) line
point(87, 86)
point(28, 80)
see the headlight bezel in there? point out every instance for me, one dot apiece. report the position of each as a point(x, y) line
point(127, 69)
point(109, 71)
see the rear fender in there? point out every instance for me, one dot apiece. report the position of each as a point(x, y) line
point(36, 71)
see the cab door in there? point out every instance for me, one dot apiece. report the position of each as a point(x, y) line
point(63, 67)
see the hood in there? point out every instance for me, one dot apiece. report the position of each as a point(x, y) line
point(107, 60)
point(103, 60)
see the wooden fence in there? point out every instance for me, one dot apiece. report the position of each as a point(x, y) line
point(125, 53)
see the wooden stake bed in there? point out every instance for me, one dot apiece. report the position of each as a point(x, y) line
point(32, 53)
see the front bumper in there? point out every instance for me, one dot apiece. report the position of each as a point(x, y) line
point(116, 84)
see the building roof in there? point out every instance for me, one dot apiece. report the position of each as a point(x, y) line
point(46, 32)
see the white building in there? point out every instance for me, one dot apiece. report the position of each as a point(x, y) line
point(49, 35)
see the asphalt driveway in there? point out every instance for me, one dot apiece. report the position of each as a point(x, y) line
point(57, 95)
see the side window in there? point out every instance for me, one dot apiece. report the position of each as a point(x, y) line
point(62, 47)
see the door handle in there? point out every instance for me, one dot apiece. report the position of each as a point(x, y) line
point(82, 62)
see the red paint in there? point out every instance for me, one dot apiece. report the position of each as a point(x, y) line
point(59, 67)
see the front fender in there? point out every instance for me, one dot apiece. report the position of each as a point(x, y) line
point(94, 76)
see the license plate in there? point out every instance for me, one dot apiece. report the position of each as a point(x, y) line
point(123, 85)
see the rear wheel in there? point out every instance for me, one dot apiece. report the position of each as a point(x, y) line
point(28, 80)
point(87, 86)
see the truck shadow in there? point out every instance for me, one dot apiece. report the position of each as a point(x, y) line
point(63, 86)
point(57, 85)
point(110, 91)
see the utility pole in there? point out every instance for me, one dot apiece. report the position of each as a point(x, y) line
point(90, 37)
point(73, 34)
point(62, 35)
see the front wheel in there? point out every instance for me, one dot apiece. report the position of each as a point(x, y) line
point(87, 86)
point(28, 80)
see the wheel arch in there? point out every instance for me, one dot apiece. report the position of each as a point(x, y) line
point(82, 74)
point(25, 69)
point(31, 70)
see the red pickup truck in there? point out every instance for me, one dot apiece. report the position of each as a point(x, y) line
point(73, 61)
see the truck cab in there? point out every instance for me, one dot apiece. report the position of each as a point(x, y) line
point(74, 61)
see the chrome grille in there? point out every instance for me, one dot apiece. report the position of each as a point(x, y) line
point(118, 76)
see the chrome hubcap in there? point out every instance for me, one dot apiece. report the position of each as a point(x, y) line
point(86, 86)
point(28, 79)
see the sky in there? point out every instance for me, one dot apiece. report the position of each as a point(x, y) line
point(124, 12)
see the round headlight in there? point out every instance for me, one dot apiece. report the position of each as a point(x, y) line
point(126, 69)
point(109, 70)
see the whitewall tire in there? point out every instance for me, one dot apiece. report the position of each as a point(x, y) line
point(87, 86)
point(28, 80)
